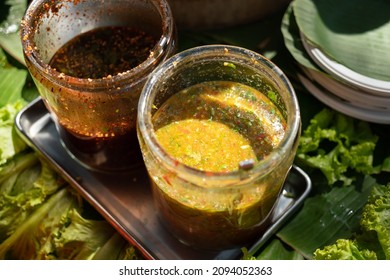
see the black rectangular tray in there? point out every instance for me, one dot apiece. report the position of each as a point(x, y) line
point(125, 200)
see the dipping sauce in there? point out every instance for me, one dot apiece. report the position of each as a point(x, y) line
point(102, 53)
point(90, 61)
point(205, 145)
point(216, 126)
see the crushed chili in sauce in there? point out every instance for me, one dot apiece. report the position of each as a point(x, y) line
point(103, 51)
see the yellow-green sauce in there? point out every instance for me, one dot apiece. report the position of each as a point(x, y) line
point(213, 126)
point(205, 144)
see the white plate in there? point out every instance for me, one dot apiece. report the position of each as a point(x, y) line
point(342, 105)
point(367, 84)
point(354, 96)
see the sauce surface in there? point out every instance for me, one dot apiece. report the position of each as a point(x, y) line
point(103, 51)
point(205, 145)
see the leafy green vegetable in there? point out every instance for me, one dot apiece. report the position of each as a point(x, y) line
point(337, 144)
point(10, 142)
point(116, 248)
point(41, 218)
point(16, 179)
point(376, 216)
point(76, 237)
point(57, 230)
point(28, 238)
point(24, 183)
point(344, 249)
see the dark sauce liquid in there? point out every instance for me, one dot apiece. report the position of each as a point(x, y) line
point(99, 53)
point(102, 52)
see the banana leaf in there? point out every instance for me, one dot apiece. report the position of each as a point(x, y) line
point(355, 33)
point(277, 250)
point(327, 217)
point(12, 81)
point(11, 13)
point(12, 45)
point(292, 40)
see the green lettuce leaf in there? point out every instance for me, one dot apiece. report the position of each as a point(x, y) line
point(10, 142)
point(31, 235)
point(344, 249)
point(76, 238)
point(337, 144)
point(116, 248)
point(25, 185)
point(376, 216)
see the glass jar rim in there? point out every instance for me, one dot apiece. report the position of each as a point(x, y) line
point(158, 52)
point(149, 92)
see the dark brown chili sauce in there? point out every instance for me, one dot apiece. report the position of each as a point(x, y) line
point(102, 53)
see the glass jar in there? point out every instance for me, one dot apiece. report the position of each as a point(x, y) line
point(95, 116)
point(219, 209)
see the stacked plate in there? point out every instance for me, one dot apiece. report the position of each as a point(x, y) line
point(344, 60)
